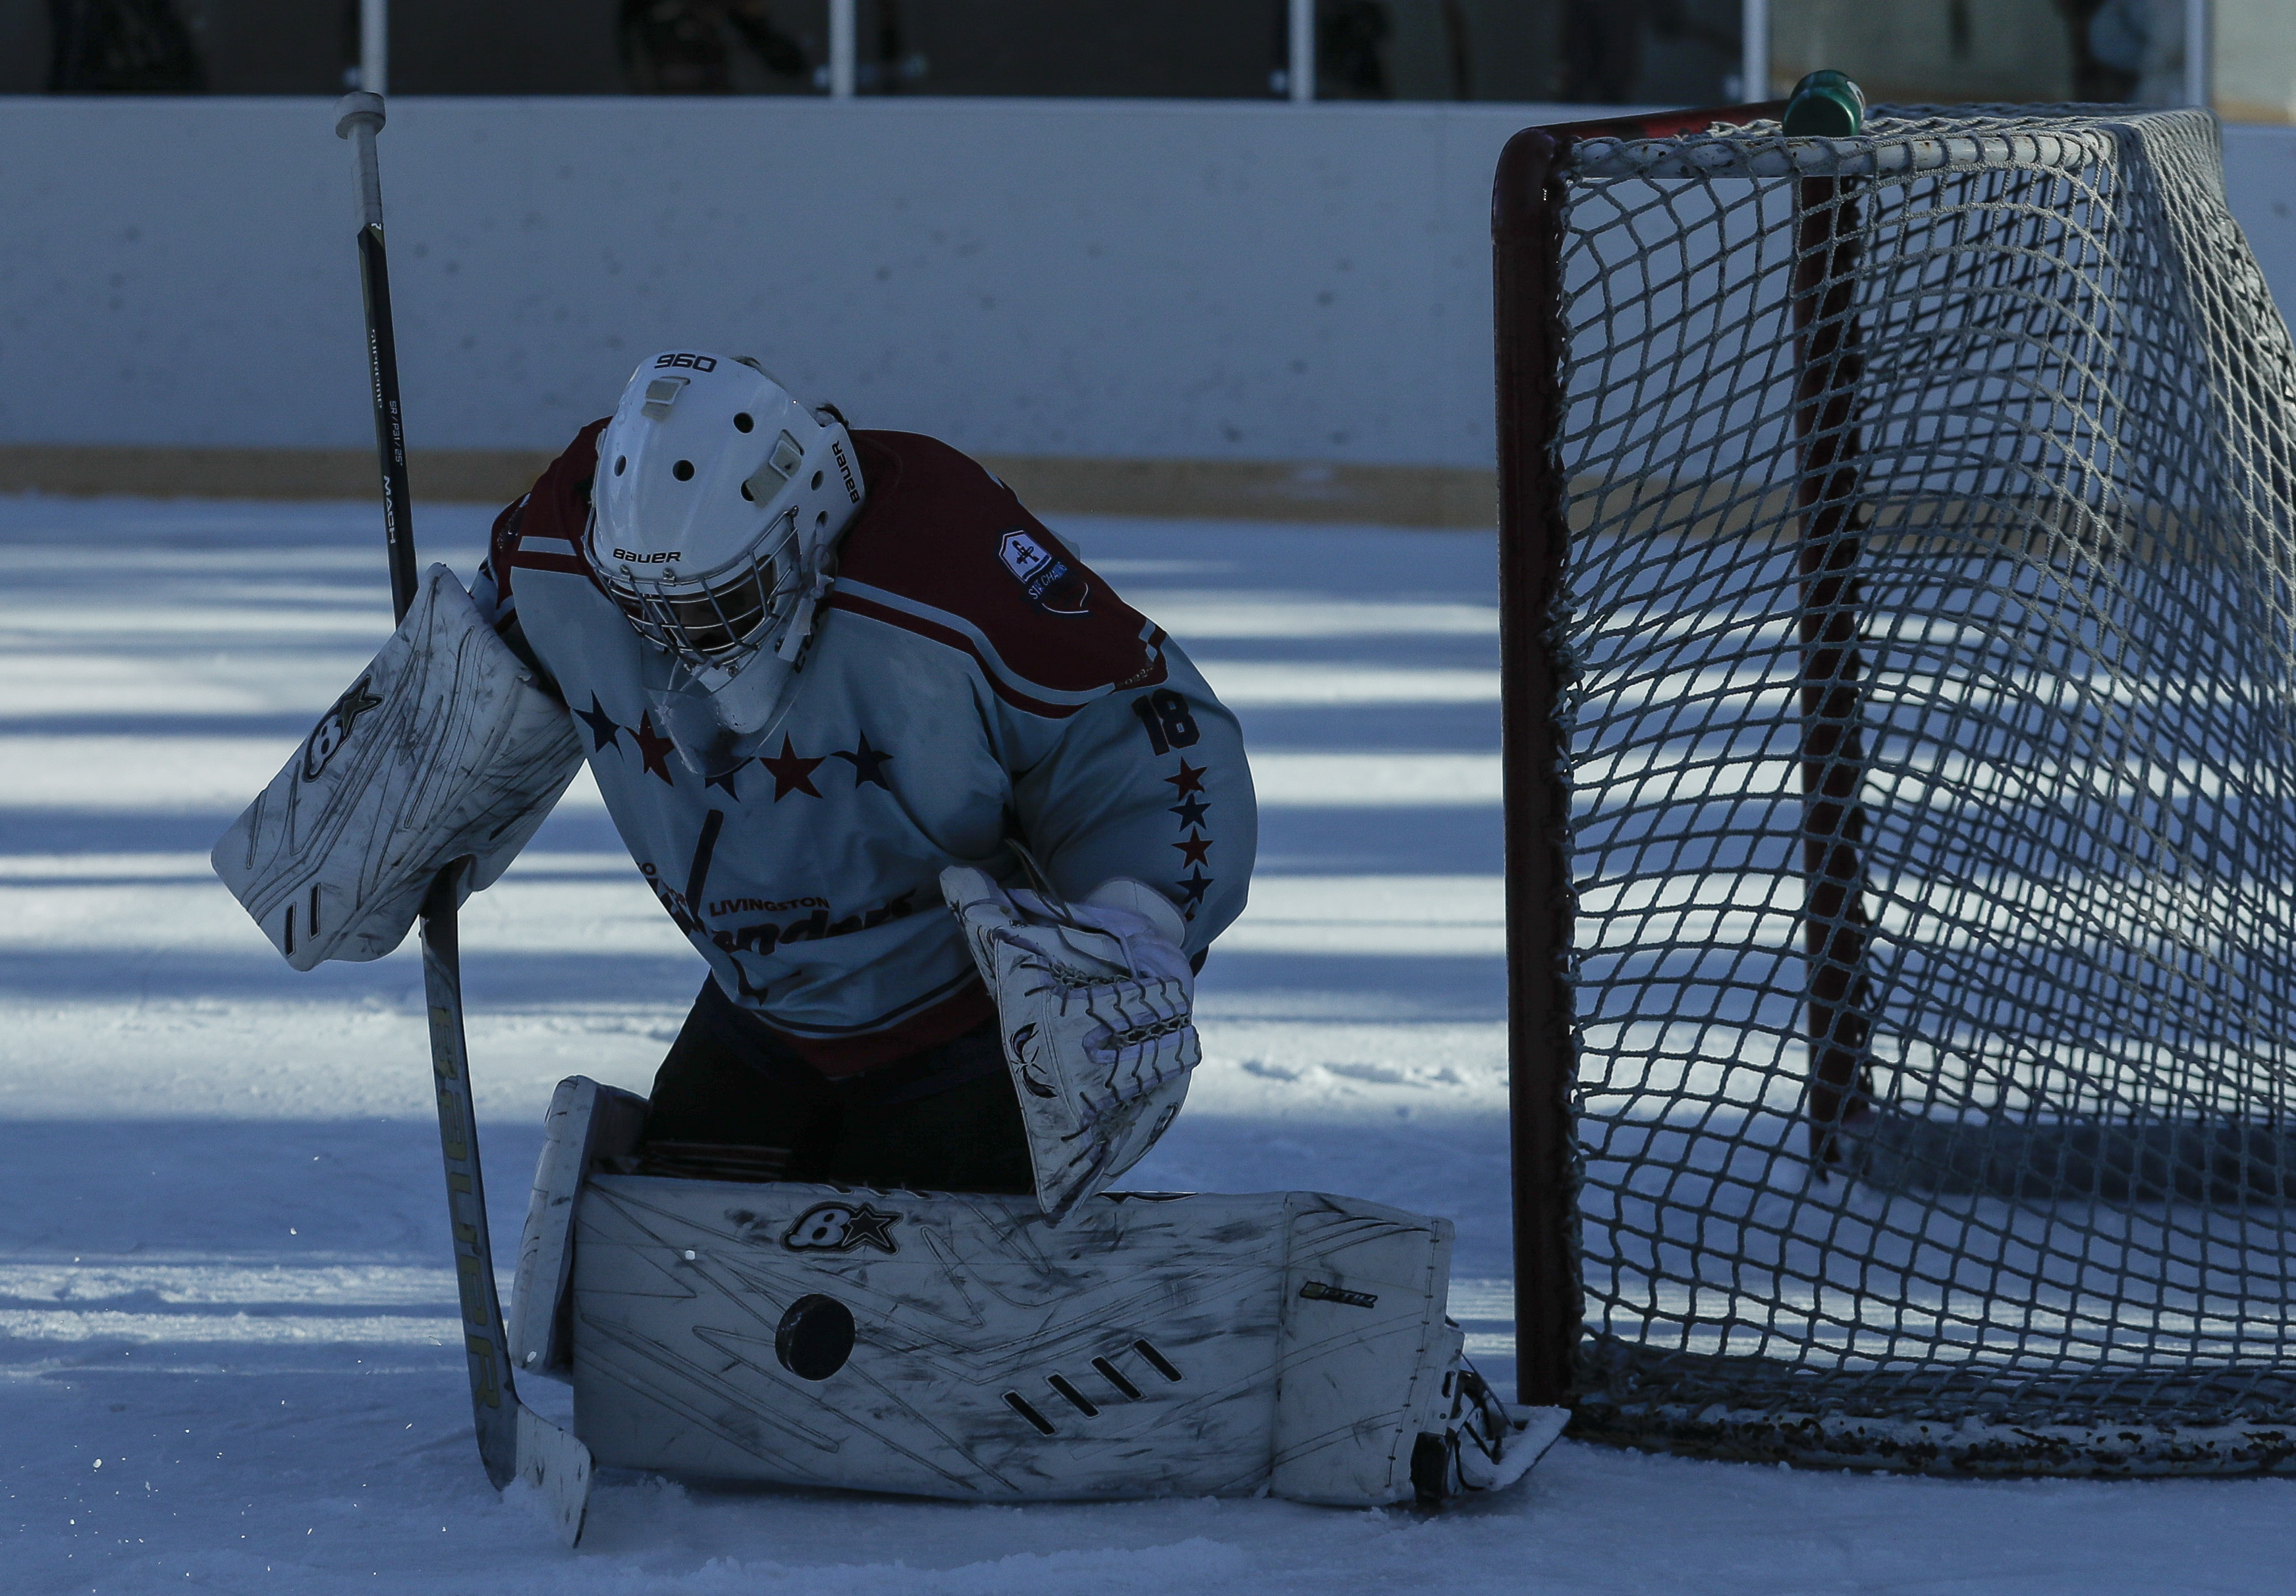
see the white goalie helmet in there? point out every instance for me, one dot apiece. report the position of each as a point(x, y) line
point(718, 503)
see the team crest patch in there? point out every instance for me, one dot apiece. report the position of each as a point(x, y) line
point(842, 1227)
point(334, 728)
point(1051, 581)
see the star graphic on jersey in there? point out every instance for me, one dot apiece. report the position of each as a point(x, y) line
point(791, 773)
point(1192, 813)
point(603, 730)
point(653, 747)
point(724, 778)
point(868, 764)
point(1192, 887)
point(1191, 779)
point(1193, 849)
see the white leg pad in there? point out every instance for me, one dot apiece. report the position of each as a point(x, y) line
point(585, 1122)
point(960, 1346)
point(1360, 1365)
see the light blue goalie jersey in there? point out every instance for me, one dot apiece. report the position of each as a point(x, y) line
point(971, 682)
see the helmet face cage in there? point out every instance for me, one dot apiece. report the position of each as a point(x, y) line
point(720, 618)
point(718, 498)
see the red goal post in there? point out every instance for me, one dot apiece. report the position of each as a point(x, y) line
point(1527, 208)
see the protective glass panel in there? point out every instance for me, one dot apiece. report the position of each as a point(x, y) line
point(1592, 52)
point(1178, 49)
point(1981, 52)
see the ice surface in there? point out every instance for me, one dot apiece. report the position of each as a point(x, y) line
point(227, 1344)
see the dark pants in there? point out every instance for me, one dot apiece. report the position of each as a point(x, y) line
point(941, 1120)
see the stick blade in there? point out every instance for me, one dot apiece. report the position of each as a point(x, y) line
point(1537, 1430)
point(557, 1465)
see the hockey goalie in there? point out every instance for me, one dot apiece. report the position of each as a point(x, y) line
point(953, 826)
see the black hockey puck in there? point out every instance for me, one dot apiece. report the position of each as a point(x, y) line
point(815, 1338)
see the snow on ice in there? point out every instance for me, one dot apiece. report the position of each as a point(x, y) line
point(228, 1354)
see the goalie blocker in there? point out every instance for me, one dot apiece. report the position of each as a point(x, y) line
point(962, 1346)
point(444, 748)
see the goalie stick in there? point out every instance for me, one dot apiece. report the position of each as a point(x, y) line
point(515, 1443)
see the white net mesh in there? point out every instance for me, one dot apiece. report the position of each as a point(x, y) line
point(1932, 602)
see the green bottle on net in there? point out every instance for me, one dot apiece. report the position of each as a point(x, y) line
point(1825, 104)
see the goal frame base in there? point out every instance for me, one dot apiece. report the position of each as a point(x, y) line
point(2220, 1161)
point(1964, 1448)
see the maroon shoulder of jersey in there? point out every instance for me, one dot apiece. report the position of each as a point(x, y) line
point(944, 549)
point(544, 530)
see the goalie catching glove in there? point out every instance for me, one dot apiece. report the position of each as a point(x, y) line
point(1093, 1005)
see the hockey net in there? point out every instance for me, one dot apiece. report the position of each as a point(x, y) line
point(1902, 678)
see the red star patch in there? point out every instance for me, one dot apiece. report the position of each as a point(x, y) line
point(791, 774)
point(653, 748)
point(1191, 779)
point(1194, 849)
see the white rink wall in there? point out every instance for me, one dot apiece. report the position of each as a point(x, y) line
point(1155, 280)
point(1159, 280)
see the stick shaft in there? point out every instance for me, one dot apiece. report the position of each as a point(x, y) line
point(359, 118)
point(389, 419)
point(494, 1401)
